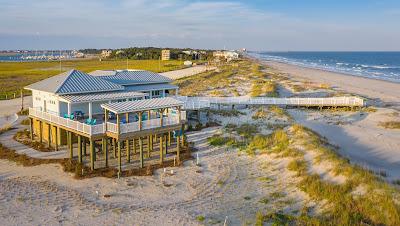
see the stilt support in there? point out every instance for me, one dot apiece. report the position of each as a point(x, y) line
point(105, 150)
point(128, 151)
point(92, 153)
point(161, 151)
point(119, 157)
point(71, 146)
point(141, 152)
point(31, 128)
point(79, 148)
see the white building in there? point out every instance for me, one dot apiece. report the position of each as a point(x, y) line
point(228, 55)
point(76, 91)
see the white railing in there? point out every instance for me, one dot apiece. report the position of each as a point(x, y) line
point(205, 102)
point(112, 127)
point(71, 124)
point(171, 119)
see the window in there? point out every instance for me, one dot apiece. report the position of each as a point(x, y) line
point(156, 93)
point(38, 98)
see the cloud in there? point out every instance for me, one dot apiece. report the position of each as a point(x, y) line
point(198, 24)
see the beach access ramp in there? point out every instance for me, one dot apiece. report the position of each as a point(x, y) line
point(196, 103)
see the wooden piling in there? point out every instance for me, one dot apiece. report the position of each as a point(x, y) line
point(40, 131)
point(71, 146)
point(56, 138)
point(31, 128)
point(114, 147)
point(105, 151)
point(92, 153)
point(79, 148)
point(141, 152)
point(48, 135)
point(161, 150)
point(128, 152)
point(119, 157)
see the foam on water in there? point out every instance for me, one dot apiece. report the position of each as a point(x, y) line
point(377, 65)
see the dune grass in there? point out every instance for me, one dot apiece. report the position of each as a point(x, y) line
point(15, 75)
point(390, 124)
point(376, 206)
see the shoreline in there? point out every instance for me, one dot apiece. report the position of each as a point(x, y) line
point(381, 91)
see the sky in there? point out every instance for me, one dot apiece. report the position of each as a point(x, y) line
point(270, 25)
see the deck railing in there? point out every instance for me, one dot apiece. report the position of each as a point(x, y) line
point(206, 102)
point(71, 124)
point(171, 119)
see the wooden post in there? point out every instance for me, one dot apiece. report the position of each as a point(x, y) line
point(56, 138)
point(148, 146)
point(134, 145)
point(161, 117)
point(119, 158)
point(71, 146)
point(40, 131)
point(141, 152)
point(79, 148)
point(169, 138)
point(151, 142)
point(178, 149)
point(48, 135)
point(128, 152)
point(91, 154)
point(161, 151)
point(105, 118)
point(84, 146)
point(59, 135)
point(114, 147)
point(31, 128)
point(166, 145)
point(105, 150)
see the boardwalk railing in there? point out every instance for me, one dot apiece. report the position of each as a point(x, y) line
point(206, 102)
point(71, 124)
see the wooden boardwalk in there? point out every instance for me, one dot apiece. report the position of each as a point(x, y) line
point(196, 103)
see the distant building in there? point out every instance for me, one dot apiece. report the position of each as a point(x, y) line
point(228, 55)
point(106, 53)
point(165, 54)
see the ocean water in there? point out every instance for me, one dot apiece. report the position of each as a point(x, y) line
point(378, 65)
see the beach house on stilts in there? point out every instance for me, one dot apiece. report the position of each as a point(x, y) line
point(128, 113)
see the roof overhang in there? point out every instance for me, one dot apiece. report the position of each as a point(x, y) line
point(142, 105)
point(107, 96)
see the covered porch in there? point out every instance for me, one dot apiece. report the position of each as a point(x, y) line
point(135, 116)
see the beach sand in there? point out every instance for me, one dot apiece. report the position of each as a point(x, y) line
point(358, 135)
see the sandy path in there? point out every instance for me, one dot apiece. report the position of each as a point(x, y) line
point(9, 107)
point(8, 141)
point(226, 184)
point(387, 92)
point(177, 74)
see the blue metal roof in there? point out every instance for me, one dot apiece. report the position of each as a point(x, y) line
point(74, 82)
point(133, 77)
